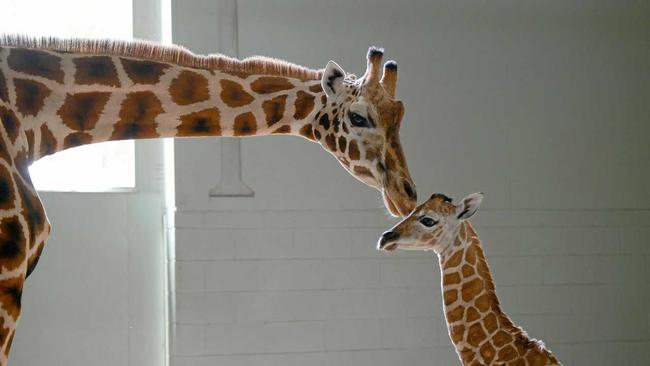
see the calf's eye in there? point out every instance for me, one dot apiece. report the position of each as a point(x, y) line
point(427, 221)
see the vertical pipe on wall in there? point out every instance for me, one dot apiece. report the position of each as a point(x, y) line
point(230, 182)
point(147, 333)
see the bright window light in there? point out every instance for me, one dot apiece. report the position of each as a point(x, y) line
point(101, 167)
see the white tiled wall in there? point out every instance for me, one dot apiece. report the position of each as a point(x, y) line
point(325, 296)
point(541, 105)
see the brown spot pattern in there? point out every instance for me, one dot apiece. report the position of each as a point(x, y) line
point(330, 141)
point(362, 171)
point(507, 353)
point(10, 122)
point(482, 268)
point(316, 88)
point(535, 358)
point(234, 94)
point(471, 289)
point(487, 352)
point(336, 122)
point(467, 271)
point(451, 278)
point(138, 116)
point(12, 243)
point(11, 291)
point(48, 142)
point(483, 303)
point(245, 125)
point(32, 208)
point(30, 96)
point(142, 71)
point(475, 334)
point(202, 123)
point(189, 87)
point(80, 112)
point(239, 74)
point(343, 144)
point(454, 260)
point(29, 135)
point(344, 161)
point(270, 84)
point(371, 154)
point(274, 109)
point(77, 139)
point(36, 63)
point(307, 131)
point(324, 121)
point(282, 130)
point(472, 314)
point(519, 362)
point(4, 91)
point(353, 150)
point(501, 338)
point(33, 260)
point(467, 355)
point(455, 315)
point(95, 70)
point(490, 322)
point(304, 104)
point(4, 333)
point(470, 254)
point(521, 348)
point(457, 333)
point(22, 164)
point(4, 153)
point(7, 195)
point(450, 296)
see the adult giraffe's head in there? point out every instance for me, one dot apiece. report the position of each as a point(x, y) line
point(432, 225)
point(359, 124)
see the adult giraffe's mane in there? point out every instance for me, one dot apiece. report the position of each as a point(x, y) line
point(165, 53)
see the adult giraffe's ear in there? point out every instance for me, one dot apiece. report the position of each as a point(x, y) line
point(332, 80)
point(468, 206)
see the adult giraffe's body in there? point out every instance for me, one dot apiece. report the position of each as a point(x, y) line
point(57, 94)
point(481, 332)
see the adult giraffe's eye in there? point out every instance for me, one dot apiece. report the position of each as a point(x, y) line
point(358, 120)
point(427, 221)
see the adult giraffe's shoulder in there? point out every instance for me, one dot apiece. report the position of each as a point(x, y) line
point(481, 332)
point(56, 94)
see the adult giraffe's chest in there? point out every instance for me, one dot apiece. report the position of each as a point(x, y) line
point(23, 222)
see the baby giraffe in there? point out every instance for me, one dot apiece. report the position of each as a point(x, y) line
point(480, 331)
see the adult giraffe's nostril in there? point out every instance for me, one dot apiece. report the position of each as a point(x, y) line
point(408, 188)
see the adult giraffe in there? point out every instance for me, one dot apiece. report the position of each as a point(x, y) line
point(57, 94)
point(481, 332)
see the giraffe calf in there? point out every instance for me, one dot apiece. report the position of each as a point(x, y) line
point(480, 331)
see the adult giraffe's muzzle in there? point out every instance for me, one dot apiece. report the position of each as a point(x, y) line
point(399, 194)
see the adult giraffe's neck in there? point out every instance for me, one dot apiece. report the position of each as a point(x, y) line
point(477, 326)
point(68, 99)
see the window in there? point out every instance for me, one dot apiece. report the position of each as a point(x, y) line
point(100, 167)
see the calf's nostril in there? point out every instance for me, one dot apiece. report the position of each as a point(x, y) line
point(388, 236)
